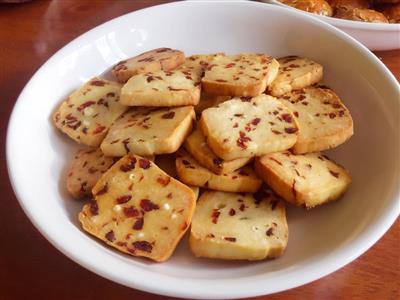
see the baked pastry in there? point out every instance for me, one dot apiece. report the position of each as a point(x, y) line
point(239, 75)
point(247, 127)
point(360, 14)
point(149, 131)
point(87, 114)
point(165, 59)
point(324, 122)
point(295, 73)
point(319, 7)
point(139, 209)
point(305, 180)
point(238, 226)
point(162, 88)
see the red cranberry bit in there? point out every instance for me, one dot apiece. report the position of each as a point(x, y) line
point(332, 115)
point(98, 83)
point(150, 78)
point(110, 236)
point(232, 212)
point(214, 216)
point(174, 89)
point(128, 166)
point(131, 212)
point(103, 190)
point(168, 115)
point(99, 129)
point(242, 207)
point(143, 246)
point(185, 162)
point(146, 59)
point(255, 121)
point(164, 181)
point(84, 105)
point(269, 231)
point(94, 208)
point(230, 239)
point(92, 170)
point(287, 118)
point(147, 205)
point(291, 130)
point(144, 163)
point(162, 50)
point(334, 174)
point(138, 225)
point(123, 199)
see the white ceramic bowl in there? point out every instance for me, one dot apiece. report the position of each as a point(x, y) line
point(375, 36)
point(321, 240)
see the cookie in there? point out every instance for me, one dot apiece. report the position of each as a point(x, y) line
point(158, 59)
point(304, 180)
point(361, 14)
point(149, 131)
point(239, 75)
point(85, 170)
point(238, 226)
point(248, 127)
point(162, 88)
point(207, 101)
point(139, 209)
point(197, 146)
point(319, 7)
point(191, 172)
point(295, 73)
point(324, 122)
point(88, 112)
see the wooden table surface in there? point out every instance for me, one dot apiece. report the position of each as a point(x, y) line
point(30, 268)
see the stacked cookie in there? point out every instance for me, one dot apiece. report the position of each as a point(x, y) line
point(148, 156)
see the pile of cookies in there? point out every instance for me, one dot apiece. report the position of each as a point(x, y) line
point(245, 132)
point(375, 11)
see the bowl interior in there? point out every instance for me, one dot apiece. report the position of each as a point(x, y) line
point(321, 240)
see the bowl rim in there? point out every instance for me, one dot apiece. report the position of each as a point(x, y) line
point(345, 23)
point(146, 283)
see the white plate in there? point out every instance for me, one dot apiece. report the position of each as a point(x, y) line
point(375, 36)
point(321, 240)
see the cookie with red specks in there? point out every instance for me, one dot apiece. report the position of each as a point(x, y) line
point(88, 112)
point(324, 122)
point(158, 59)
point(295, 73)
point(305, 179)
point(191, 172)
point(85, 170)
point(239, 75)
point(162, 88)
point(247, 127)
point(238, 226)
point(197, 146)
point(149, 131)
point(139, 209)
